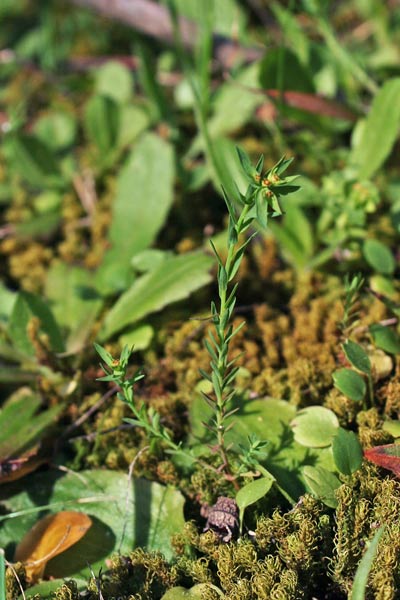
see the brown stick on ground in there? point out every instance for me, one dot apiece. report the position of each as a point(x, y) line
point(154, 20)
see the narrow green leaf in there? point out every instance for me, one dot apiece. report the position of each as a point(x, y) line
point(246, 163)
point(261, 210)
point(380, 130)
point(3, 590)
point(217, 256)
point(347, 451)
point(35, 161)
point(102, 352)
point(357, 356)
point(350, 383)
point(27, 306)
point(363, 570)
point(102, 122)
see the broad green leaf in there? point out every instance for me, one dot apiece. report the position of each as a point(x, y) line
point(379, 257)
point(27, 306)
point(322, 484)
point(363, 570)
point(125, 513)
point(233, 105)
point(143, 198)
point(385, 338)
point(252, 492)
point(45, 590)
point(281, 69)
point(380, 130)
point(114, 80)
point(74, 301)
point(138, 337)
point(35, 162)
point(174, 279)
point(148, 259)
point(350, 383)
point(56, 129)
point(133, 121)
point(357, 356)
point(268, 419)
point(392, 427)
point(383, 285)
point(347, 451)
point(20, 426)
point(315, 426)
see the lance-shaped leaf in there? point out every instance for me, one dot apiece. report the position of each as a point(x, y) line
point(173, 280)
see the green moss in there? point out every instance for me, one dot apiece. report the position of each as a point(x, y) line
point(365, 504)
point(68, 591)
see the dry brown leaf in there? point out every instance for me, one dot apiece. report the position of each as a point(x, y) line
point(50, 536)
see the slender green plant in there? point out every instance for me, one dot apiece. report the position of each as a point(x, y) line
point(352, 288)
point(261, 201)
point(145, 418)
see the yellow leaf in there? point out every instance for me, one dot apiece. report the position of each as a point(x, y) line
point(50, 536)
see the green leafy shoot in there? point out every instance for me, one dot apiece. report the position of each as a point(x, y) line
point(352, 288)
point(148, 419)
point(263, 195)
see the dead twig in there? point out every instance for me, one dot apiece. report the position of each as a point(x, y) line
point(154, 20)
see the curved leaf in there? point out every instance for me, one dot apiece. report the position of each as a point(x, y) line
point(172, 280)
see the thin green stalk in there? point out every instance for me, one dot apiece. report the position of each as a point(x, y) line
point(345, 57)
point(223, 330)
point(2, 576)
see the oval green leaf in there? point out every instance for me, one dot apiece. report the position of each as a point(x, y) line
point(315, 426)
point(357, 356)
point(379, 257)
point(252, 492)
point(350, 383)
point(347, 451)
point(385, 338)
point(322, 484)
